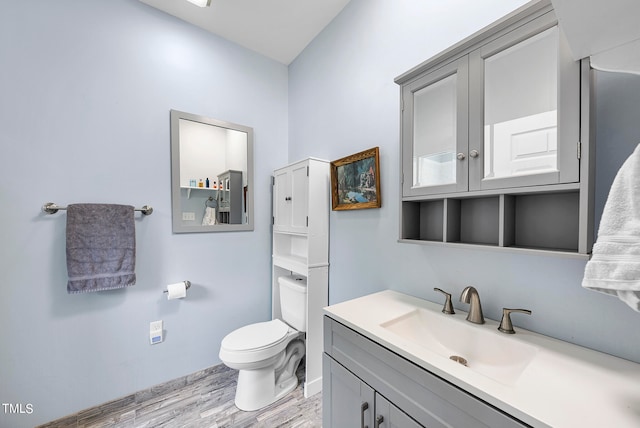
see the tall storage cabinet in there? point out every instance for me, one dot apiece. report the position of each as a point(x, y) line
point(301, 246)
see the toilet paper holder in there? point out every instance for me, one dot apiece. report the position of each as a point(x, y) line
point(187, 284)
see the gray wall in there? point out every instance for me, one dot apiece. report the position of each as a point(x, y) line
point(343, 100)
point(85, 93)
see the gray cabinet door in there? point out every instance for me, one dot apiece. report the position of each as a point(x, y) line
point(346, 400)
point(524, 109)
point(389, 416)
point(435, 131)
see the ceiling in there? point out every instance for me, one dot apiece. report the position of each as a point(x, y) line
point(278, 29)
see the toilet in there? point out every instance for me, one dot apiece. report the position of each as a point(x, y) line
point(267, 354)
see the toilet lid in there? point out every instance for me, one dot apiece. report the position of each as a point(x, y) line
point(255, 336)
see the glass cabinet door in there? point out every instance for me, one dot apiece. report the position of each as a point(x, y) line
point(527, 130)
point(434, 129)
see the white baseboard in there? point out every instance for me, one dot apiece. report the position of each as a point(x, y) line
point(313, 387)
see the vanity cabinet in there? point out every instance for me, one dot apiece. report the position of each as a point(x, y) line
point(354, 403)
point(496, 147)
point(364, 381)
point(230, 197)
point(301, 208)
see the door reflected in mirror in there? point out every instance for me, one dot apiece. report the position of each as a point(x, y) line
point(211, 174)
point(521, 108)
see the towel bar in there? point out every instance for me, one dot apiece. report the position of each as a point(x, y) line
point(52, 208)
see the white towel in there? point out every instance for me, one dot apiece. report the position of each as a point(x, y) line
point(614, 267)
point(209, 217)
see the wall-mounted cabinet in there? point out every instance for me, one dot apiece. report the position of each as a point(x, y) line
point(496, 148)
point(301, 246)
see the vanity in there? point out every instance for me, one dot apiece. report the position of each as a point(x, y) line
point(388, 362)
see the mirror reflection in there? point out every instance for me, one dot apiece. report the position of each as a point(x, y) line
point(211, 174)
point(521, 108)
point(434, 130)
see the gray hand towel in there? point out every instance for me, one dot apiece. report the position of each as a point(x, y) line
point(101, 247)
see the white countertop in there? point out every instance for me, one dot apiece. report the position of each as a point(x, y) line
point(564, 385)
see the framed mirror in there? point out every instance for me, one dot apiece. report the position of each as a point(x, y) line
point(211, 174)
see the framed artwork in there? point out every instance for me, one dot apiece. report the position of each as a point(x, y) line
point(355, 181)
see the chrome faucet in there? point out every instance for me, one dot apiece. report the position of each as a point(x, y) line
point(470, 295)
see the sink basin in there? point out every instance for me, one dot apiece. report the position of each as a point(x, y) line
point(482, 347)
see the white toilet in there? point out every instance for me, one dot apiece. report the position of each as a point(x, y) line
point(267, 354)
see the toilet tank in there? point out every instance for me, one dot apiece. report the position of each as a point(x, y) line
point(293, 301)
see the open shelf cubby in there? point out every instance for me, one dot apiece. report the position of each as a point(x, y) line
point(473, 220)
point(541, 221)
point(290, 251)
point(423, 220)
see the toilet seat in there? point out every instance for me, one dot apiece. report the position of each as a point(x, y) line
point(255, 342)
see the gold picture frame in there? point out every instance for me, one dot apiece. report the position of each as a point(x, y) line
point(355, 181)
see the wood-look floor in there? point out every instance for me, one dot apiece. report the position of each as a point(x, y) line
point(200, 400)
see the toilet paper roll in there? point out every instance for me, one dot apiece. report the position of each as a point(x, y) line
point(176, 291)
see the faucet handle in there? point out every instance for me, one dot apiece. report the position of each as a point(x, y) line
point(505, 323)
point(448, 306)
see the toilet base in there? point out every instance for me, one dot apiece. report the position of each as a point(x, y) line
point(257, 388)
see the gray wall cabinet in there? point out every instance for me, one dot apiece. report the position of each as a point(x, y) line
point(230, 197)
point(496, 145)
point(365, 384)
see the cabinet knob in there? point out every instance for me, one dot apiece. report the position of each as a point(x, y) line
point(461, 156)
point(287, 198)
point(474, 153)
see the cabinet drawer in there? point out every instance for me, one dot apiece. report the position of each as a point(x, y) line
point(428, 399)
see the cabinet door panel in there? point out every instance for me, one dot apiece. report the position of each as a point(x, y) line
point(346, 400)
point(434, 131)
point(290, 199)
point(389, 416)
point(524, 107)
point(281, 203)
point(299, 195)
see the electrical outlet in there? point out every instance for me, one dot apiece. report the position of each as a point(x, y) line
point(155, 325)
point(188, 216)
